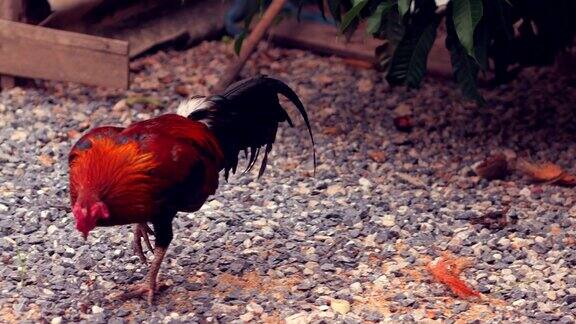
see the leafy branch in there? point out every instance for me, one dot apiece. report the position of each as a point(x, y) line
point(480, 34)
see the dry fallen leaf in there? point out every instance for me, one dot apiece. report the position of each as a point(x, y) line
point(493, 167)
point(359, 63)
point(335, 130)
point(446, 269)
point(183, 90)
point(567, 180)
point(377, 156)
point(546, 172)
point(416, 182)
point(494, 220)
point(540, 172)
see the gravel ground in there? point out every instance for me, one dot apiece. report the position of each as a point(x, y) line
point(350, 244)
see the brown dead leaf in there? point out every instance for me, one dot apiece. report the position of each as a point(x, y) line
point(546, 172)
point(183, 90)
point(540, 172)
point(414, 181)
point(335, 130)
point(359, 63)
point(567, 180)
point(494, 220)
point(493, 167)
point(377, 156)
point(446, 269)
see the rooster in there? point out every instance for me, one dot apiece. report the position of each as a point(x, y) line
point(150, 170)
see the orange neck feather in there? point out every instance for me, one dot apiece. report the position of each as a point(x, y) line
point(116, 174)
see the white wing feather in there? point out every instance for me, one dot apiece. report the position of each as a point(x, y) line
point(195, 103)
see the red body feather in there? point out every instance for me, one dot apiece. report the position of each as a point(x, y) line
point(165, 162)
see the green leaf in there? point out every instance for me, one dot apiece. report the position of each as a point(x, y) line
point(238, 42)
point(408, 64)
point(352, 15)
point(392, 31)
point(403, 7)
point(464, 67)
point(481, 39)
point(374, 22)
point(394, 28)
point(466, 15)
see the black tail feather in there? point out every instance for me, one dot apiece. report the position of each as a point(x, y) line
point(245, 117)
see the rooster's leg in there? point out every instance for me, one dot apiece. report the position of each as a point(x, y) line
point(149, 287)
point(141, 231)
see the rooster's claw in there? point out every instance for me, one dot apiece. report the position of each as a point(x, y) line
point(141, 231)
point(143, 289)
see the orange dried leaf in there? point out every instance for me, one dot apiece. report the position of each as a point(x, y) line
point(493, 167)
point(540, 172)
point(183, 90)
point(446, 271)
point(567, 180)
point(377, 156)
point(332, 130)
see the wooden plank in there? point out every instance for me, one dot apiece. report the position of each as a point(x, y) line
point(44, 53)
point(140, 24)
point(325, 39)
point(10, 10)
point(64, 38)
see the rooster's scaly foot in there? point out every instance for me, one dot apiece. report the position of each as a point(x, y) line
point(141, 231)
